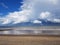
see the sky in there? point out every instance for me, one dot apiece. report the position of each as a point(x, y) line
point(21, 11)
point(7, 6)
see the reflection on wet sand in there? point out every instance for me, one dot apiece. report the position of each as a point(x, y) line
point(42, 30)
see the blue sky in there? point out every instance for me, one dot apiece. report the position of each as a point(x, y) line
point(7, 6)
point(34, 11)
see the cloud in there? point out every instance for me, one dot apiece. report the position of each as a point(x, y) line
point(5, 6)
point(44, 15)
point(54, 20)
point(5, 21)
point(54, 1)
point(32, 10)
point(17, 17)
point(37, 21)
point(49, 17)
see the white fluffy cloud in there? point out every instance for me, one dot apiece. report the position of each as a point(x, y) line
point(31, 10)
point(57, 20)
point(17, 17)
point(54, 20)
point(44, 15)
point(36, 21)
